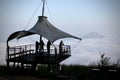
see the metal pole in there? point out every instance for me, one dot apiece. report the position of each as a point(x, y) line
point(40, 37)
point(42, 14)
point(43, 7)
point(7, 55)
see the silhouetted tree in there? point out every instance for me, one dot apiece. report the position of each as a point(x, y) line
point(104, 61)
point(117, 64)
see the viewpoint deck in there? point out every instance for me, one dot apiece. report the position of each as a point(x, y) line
point(27, 54)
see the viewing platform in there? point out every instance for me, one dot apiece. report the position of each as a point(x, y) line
point(27, 54)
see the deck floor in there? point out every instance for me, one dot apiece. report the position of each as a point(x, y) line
point(39, 58)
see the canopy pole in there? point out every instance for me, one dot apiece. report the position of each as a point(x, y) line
point(40, 38)
point(7, 55)
point(43, 7)
point(42, 14)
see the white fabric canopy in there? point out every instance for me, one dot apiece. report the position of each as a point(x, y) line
point(44, 28)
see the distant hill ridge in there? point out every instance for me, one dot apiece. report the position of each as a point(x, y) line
point(92, 35)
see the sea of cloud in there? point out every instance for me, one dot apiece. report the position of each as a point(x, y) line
point(89, 50)
point(83, 52)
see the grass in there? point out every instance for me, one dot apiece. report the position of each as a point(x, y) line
point(79, 72)
point(86, 73)
point(15, 71)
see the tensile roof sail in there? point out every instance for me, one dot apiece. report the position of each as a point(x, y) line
point(44, 28)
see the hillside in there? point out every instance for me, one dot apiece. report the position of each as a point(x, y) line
point(68, 72)
point(92, 35)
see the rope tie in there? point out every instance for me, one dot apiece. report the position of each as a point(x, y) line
point(49, 13)
point(31, 39)
point(75, 46)
point(32, 16)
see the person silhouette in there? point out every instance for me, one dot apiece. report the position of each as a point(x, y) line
point(60, 47)
point(41, 45)
point(37, 46)
point(48, 46)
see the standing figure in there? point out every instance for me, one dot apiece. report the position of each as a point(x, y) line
point(48, 46)
point(60, 47)
point(37, 46)
point(41, 45)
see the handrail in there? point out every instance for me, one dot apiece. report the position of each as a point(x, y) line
point(28, 49)
point(18, 53)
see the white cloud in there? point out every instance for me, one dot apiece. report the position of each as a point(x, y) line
point(88, 51)
point(2, 53)
point(83, 52)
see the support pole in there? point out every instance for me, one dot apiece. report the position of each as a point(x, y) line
point(58, 69)
point(48, 50)
point(42, 14)
point(43, 7)
point(7, 55)
point(48, 67)
point(40, 37)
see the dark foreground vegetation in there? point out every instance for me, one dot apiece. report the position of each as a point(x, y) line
point(71, 72)
point(91, 72)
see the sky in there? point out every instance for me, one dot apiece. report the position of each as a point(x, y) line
point(77, 17)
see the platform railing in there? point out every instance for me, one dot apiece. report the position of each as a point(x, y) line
point(21, 50)
point(30, 49)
